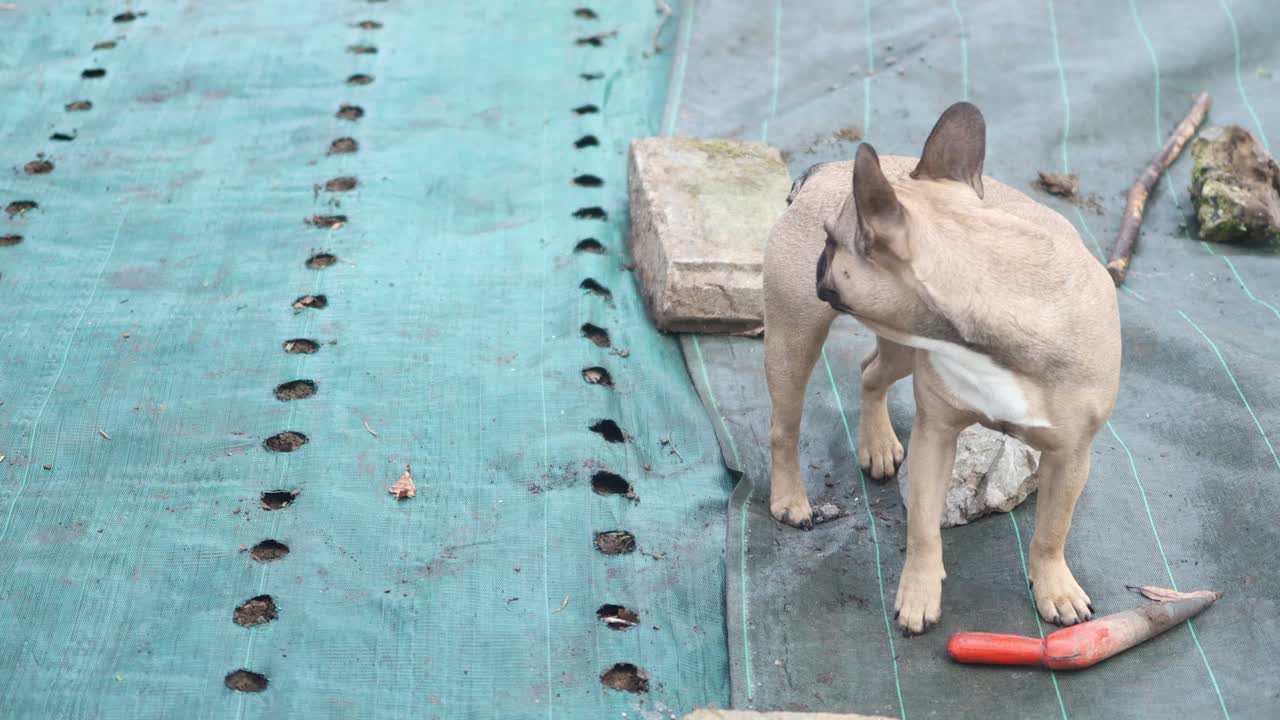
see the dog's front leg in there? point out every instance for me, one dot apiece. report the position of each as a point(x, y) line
point(1059, 597)
point(929, 463)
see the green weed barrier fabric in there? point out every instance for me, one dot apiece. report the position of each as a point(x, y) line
point(1184, 477)
point(166, 290)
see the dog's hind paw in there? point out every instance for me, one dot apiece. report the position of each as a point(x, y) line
point(793, 510)
point(879, 452)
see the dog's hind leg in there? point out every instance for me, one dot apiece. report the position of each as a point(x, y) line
point(1063, 473)
point(793, 338)
point(879, 452)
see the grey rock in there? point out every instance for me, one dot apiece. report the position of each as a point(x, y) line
point(1235, 185)
point(993, 473)
point(826, 513)
point(701, 211)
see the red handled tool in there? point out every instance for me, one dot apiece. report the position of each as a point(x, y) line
point(1081, 646)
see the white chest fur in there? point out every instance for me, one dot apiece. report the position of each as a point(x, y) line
point(976, 382)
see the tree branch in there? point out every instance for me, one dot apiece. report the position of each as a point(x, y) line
point(1122, 252)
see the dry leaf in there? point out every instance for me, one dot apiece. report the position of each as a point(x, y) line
point(1167, 595)
point(404, 489)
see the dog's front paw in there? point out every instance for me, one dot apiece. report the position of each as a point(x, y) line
point(879, 452)
point(1059, 598)
point(792, 509)
point(919, 602)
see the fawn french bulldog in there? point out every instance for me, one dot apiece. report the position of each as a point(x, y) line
point(989, 301)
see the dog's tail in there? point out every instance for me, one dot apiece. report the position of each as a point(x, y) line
point(800, 181)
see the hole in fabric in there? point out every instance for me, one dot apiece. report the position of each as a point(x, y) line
point(62, 137)
point(78, 106)
point(320, 261)
point(295, 390)
point(94, 73)
point(125, 17)
point(258, 610)
point(38, 167)
point(617, 617)
point(247, 681)
point(287, 441)
point(585, 13)
point(279, 499)
point(591, 76)
point(626, 677)
point(597, 376)
point(585, 141)
point(269, 550)
point(596, 288)
point(340, 184)
point(10, 240)
point(615, 542)
point(350, 112)
point(315, 302)
point(607, 483)
point(18, 207)
point(327, 221)
point(591, 40)
point(343, 145)
point(359, 79)
point(104, 45)
point(588, 181)
point(591, 213)
point(609, 430)
point(369, 25)
point(589, 245)
point(596, 334)
point(583, 109)
point(301, 346)
point(362, 49)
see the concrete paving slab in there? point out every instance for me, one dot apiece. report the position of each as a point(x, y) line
point(701, 211)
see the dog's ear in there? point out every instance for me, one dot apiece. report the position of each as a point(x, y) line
point(881, 219)
point(956, 148)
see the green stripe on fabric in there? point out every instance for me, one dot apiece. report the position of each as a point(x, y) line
point(1244, 96)
point(1022, 556)
point(875, 537)
point(1247, 406)
point(1062, 83)
point(1142, 31)
point(1142, 492)
point(681, 66)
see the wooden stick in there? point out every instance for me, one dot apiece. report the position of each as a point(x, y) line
point(1118, 264)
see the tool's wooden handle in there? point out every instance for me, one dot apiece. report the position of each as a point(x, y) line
point(995, 649)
